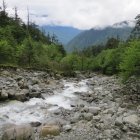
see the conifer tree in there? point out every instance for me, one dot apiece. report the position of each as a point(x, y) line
point(136, 31)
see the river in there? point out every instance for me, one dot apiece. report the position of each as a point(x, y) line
point(37, 109)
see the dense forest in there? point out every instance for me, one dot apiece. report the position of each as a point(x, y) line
point(24, 45)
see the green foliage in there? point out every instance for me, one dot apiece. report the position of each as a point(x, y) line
point(6, 52)
point(135, 34)
point(26, 45)
point(95, 37)
point(108, 61)
point(27, 52)
point(112, 43)
point(70, 62)
point(130, 64)
point(93, 51)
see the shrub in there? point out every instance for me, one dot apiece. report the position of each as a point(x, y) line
point(130, 64)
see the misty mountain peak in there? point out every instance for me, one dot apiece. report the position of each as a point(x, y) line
point(126, 23)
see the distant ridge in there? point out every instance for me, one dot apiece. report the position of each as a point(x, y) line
point(64, 33)
point(96, 36)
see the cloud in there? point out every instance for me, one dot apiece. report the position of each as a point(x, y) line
point(82, 14)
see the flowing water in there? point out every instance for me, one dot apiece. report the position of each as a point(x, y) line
point(36, 109)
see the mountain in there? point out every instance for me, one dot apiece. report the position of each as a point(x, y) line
point(63, 33)
point(123, 24)
point(96, 36)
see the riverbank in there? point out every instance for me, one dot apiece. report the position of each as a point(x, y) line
point(90, 106)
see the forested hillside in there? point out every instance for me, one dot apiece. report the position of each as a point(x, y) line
point(24, 44)
point(98, 36)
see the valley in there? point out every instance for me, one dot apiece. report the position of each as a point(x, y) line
point(89, 106)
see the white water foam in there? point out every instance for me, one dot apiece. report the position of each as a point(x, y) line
point(36, 109)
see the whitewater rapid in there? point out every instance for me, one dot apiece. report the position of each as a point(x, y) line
point(36, 109)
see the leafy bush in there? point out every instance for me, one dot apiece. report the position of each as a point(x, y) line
point(108, 61)
point(130, 64)
point(6, 52)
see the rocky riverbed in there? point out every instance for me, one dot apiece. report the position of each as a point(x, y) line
point(37, 105)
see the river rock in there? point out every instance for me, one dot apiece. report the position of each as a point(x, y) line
point(50, 130)
point(132, 119)
point(11, 93)
point(119, 121)
point(57, 111)
point(35, 95)
point(22, 95)
point(67, 128)
point(35, 124)
point(34, 81)
point(96, 118)
point(88, 116)
point(76, 118)
point(94, 110)
point(24, 132)
point(21, 83)
point(6, 73)
point(18, 78)
point(3, 95)
point(35, 91)
point(55, 121)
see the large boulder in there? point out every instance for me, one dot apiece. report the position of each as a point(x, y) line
point(11, 93)
point(67, 128)
point(35, 81)
point(77, 116)
point(88, 116)
point(22, 83)
point(24, 132)
point(35, 91)
point(131, 119)
point(22, 95)
point(5, 73)
point(3, 95)
point(94, 110)
point(50, 130)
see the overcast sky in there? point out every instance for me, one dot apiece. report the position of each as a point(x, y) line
point(82, 14)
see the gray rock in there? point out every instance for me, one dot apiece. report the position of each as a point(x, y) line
point(35, 124)
point(94, 110)
point(24, 132)
point(53, 130)
point(6, 73)
point(57, 111)
point(35, 95)
point(67, 128)
point(3, 95)
point(35, 91)
point(107, 133)
point(21, 83)
point(73, 105)
point(119, 121)
point(34, 81)
point(18, 78)
point(132, 119)
point(82, 105)
point(88, 116)
point(55, 121)
point(11, 93)
point(76, 118)
point(85, 109)
point(22, 95)
point(35, 88)
point(96, 118)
